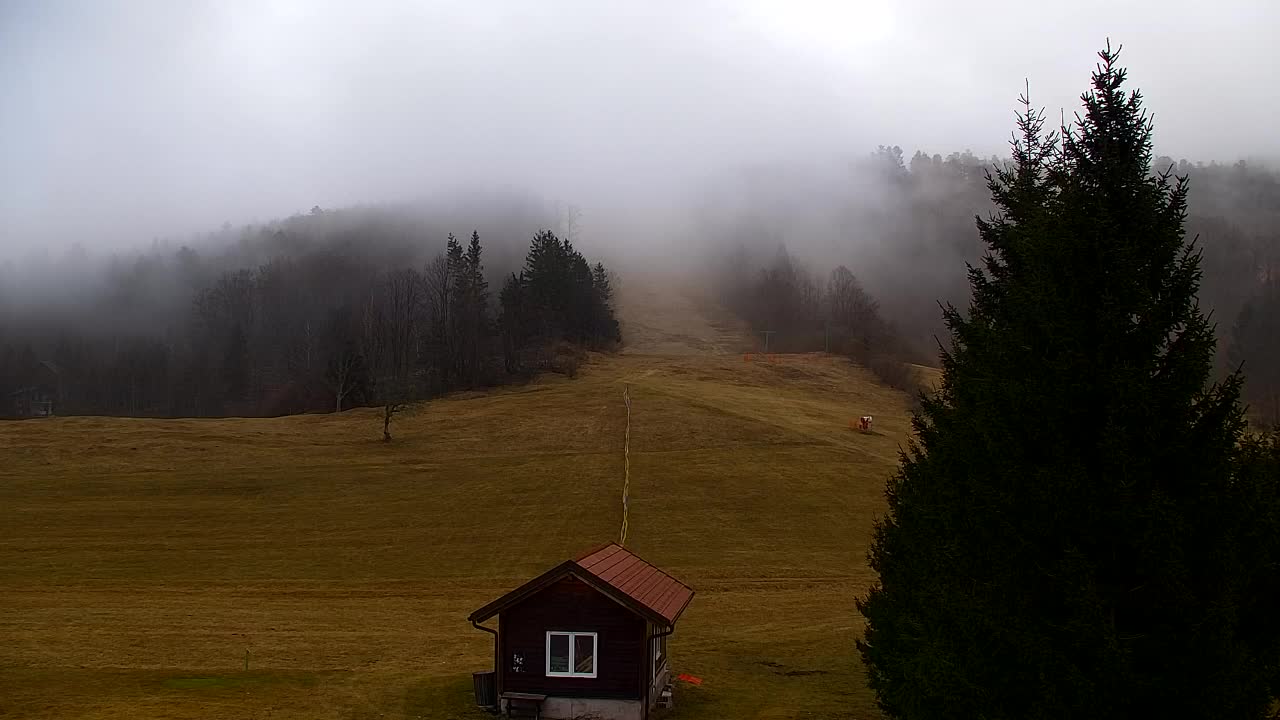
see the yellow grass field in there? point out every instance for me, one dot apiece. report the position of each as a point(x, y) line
point(142, 561)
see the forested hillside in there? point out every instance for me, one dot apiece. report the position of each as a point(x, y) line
point(320, 312)
point(904, 229)
point(308, 313)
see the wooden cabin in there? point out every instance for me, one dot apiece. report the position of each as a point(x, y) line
point(38, 399)
point(587, 638)
point(30, 402)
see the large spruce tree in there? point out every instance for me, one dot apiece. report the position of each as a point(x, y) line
point(1067, 537)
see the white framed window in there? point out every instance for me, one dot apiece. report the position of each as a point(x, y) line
point(571, 654)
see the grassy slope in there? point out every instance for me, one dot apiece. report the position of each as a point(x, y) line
point(139, 559)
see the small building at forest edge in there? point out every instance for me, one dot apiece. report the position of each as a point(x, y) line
point(586, 638)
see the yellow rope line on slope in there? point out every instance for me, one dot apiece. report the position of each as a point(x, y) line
point(626, 466)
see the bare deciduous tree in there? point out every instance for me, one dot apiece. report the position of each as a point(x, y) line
point(346, 363)
point(395, 396)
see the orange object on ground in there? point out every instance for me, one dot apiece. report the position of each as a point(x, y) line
point(689, 679)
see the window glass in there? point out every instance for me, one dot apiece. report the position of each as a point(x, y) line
point(558, 660)
point(584, 654)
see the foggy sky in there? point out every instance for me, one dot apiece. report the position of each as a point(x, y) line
point(123, 121)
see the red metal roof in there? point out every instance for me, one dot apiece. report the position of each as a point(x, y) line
point(616, 572)
point(638, 580)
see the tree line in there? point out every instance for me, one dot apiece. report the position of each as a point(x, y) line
point(802, 312)
point(325, 328)
point(905, 223)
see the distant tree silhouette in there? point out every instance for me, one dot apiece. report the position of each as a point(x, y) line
point(235, 364)
point(513, 321)
point(603, 323)
point(842, 318)
point(1255, 344)
point(345, 373)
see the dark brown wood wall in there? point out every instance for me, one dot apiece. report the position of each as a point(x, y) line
point(571, 605)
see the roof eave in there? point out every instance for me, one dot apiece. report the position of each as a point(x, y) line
point(528, 588)
point(570, 567)
point(680, 612)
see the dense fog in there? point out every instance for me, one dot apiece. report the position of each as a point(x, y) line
point(153, 150)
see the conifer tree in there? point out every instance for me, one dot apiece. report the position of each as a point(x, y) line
point(475, 268)
point(459, 290)
point(476, 312)
point(1067, 535)
point(512, 320)
point(558, 296)
point(581, 299)
point(605, 327)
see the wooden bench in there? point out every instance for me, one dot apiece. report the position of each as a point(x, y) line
point(524, 704)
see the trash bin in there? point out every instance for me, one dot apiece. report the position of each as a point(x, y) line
point(486, 687)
